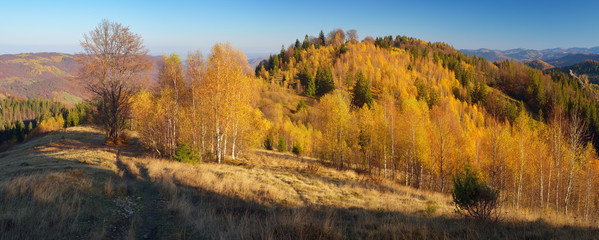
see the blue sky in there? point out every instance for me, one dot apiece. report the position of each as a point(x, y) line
point(259, 27)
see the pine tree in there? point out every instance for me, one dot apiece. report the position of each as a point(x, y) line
point(361, 92)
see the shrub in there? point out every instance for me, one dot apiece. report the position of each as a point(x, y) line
point(184, 154)
point(297, 149)
point(473, 197)
point(301, 105)
point(431, 208)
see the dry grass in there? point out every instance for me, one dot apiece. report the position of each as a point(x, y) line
point(74, 187)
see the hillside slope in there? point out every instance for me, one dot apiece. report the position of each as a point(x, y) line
point(588, 67)
point(67, 185)
point(46, 75)
point(572, 59)
point(539, 64)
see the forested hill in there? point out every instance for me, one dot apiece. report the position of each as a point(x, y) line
point(46, 75)
point(399, 107)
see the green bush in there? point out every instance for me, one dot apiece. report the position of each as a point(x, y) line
point(184, 154)
point(301, 105)
point(431, 208)
point(297, 149)
point(473, 197)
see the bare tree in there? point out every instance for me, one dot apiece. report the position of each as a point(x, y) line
point(352, 35)
point(112, 65)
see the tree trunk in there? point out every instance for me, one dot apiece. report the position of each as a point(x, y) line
point(521, 171)
point(541, 175)
point(569, 189)
point(549, 183)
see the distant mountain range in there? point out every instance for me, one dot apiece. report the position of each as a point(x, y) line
point(525, 55)
point(579, 60)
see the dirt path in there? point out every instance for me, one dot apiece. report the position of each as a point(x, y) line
point(152, 207)
point(146, 218)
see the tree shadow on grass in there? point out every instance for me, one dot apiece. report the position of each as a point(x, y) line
point(214, 215)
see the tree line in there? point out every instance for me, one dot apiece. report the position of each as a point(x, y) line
point(21, 118)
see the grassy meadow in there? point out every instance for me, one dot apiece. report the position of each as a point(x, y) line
point(68, 185)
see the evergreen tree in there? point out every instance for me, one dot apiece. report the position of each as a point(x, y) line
point(307, 81)
point(324, 81)
point(282, 54)
point(268, 143)
point(258, 68)
point(282, 147)
point(306, 44)
point(275, 63)
point(19, 131)
point(297, 149)
point(322, 39)
point(310, 87)
point(271, 63)
point(361, 92)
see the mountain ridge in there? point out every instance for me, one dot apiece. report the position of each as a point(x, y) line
point(523, 55)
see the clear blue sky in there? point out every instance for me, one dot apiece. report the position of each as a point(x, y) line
point(263, 26)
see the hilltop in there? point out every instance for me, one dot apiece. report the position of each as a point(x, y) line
point(68, 185)
point(539, 64)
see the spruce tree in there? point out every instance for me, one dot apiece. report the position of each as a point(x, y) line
point(306, 44)
point(323, 40)
point(307, 81)
point(324, 81)
point(282, 147)
point(310, 87)
point(361, 92)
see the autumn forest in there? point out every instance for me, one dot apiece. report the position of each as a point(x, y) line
point(394, 108)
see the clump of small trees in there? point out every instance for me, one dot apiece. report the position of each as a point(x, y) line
point(473, 197)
